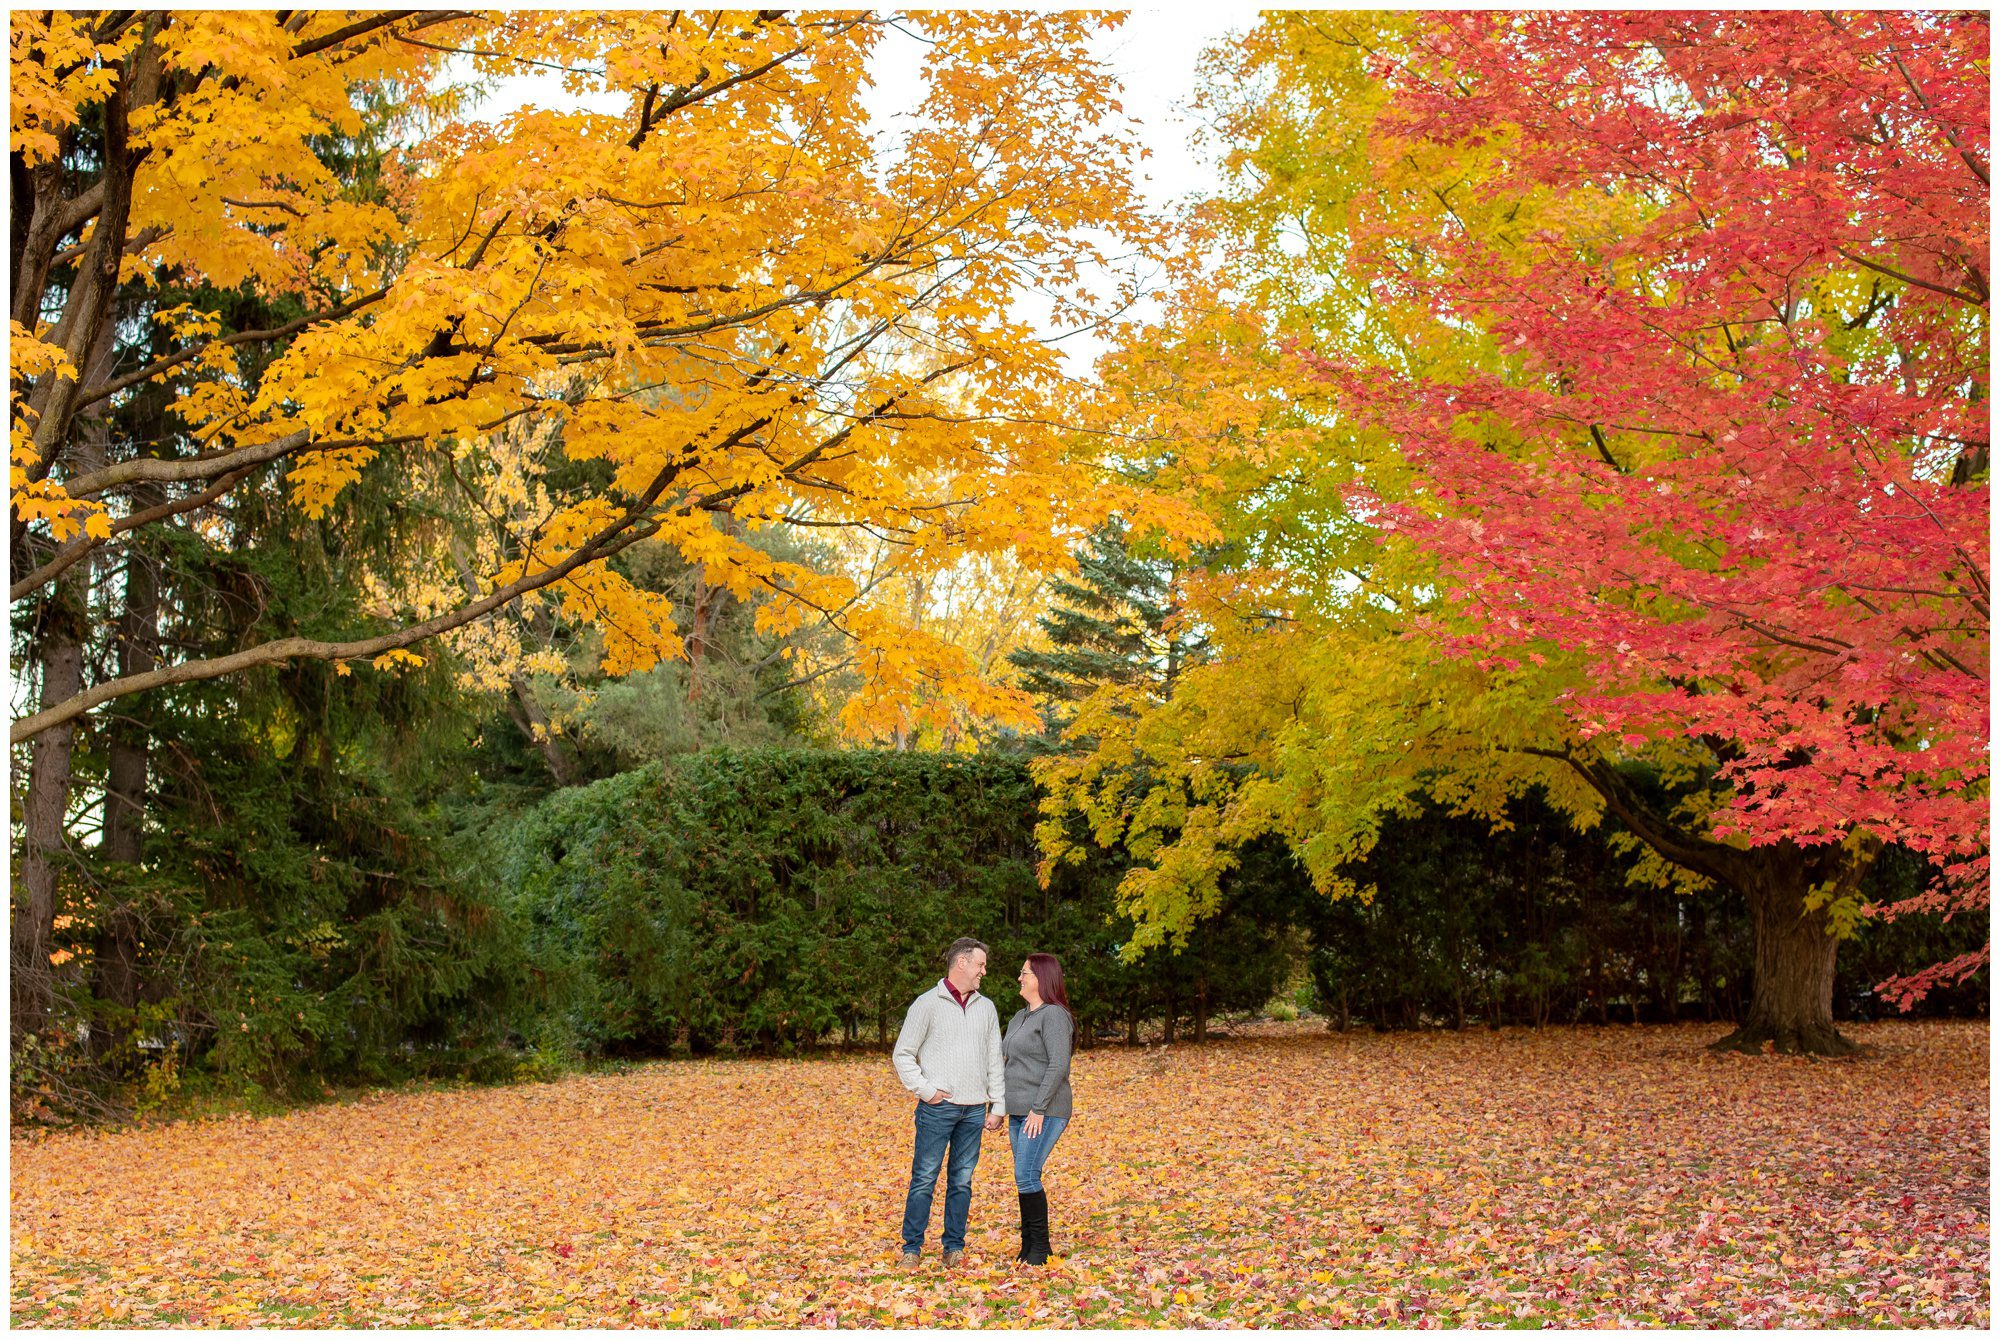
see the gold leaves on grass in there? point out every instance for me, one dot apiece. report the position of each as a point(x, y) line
point(1298, 1178)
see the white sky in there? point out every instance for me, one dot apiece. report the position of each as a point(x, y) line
point(1153, 54)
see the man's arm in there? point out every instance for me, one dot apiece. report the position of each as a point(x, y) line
point(996, 1066)
point(916, 1027)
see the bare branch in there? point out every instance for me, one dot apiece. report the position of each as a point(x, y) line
point(616, 535)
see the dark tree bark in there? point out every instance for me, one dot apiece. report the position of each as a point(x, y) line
point(1791, 987)
point(117, 980)
point(59, 642)
point(1201, 1010)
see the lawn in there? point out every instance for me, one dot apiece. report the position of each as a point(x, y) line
point(1615, 1176)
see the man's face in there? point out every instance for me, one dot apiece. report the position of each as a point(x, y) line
point(967, 969)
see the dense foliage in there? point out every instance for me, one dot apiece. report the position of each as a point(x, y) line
point(1580, 392)
point(444, 546)
point(773, 898)
point(1538, 924)
point(280, 257)
point(765, 899)
point(289, 911)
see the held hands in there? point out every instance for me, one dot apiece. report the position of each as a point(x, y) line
point(994, 1121)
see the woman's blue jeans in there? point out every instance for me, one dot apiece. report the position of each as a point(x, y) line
point(1031, 1154)
point(942, 1127)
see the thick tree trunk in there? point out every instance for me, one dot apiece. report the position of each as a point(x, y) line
point(58, 642)
point(42, 811)
point(1791, 988)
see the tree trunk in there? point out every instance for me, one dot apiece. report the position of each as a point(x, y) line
point(1201, 1011)
point(533, 722)
point(1791, 988)
point(1132, 1022)
point(42, 811)
point(117, 950)
point(704, 608)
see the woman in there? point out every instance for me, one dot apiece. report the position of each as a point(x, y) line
point(1037, 1048)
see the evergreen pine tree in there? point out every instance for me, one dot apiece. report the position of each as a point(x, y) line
point(1112, 624)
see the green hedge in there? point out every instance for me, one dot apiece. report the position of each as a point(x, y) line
point(1539, 924)
point(771, 898)
point(768, 899)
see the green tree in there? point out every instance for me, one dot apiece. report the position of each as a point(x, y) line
point(1114, 622)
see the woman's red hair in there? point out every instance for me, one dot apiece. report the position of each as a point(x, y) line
point(1049, 979)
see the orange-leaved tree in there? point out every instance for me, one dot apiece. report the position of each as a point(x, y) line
point(715, 296)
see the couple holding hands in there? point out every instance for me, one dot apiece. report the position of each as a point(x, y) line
point(969, 1078)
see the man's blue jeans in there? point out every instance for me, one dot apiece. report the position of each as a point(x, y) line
point(940, 1127)
point(1031, 1154)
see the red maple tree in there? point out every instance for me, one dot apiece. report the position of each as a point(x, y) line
point(1740, 465)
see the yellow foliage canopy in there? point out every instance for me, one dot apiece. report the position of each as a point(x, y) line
point(595, 327)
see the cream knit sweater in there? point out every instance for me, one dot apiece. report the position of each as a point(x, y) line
point(942, 1046)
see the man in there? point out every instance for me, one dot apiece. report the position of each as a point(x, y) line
point(948, 1055)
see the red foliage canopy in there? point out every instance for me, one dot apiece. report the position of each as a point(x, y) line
point(1741, 463)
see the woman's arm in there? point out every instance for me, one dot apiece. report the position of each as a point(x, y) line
point(1058, 1031)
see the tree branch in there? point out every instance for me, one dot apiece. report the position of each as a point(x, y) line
point(84, 544)
point(1879, 268)
point(194, 467)
point(92, 395)
point(374, 22)
point(612, 538)
point(1717, 861)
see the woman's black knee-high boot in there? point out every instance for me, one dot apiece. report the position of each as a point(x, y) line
point(1035, 1227)
point(1022, 1255)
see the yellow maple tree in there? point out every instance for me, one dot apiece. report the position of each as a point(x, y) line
point(594, 327)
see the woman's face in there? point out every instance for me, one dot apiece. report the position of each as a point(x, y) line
point(1030, 988)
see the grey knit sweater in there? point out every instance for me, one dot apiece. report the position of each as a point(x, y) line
point(1037, 1047)
point(944, 1046)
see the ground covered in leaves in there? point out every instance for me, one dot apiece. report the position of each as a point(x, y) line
point(1616, 1176)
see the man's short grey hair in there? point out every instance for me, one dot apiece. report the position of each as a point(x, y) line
point(960, 947)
